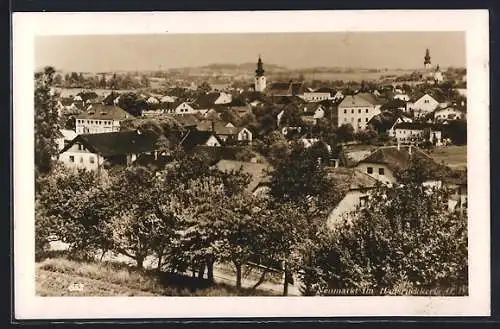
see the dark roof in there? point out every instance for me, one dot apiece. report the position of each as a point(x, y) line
point(207, 100)
point(383, 121)
point(196, 137)
point(105, 112)
point(117, 143)
point(279, 86)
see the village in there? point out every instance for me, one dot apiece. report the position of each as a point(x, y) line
point(367, 133)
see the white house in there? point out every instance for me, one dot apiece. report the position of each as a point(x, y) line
point(403, 97)
point(383, 163)
point(315, 96)
point(355, 187)
point(91, 151)
point(423, 105)
point(415, 132)
point(100, 119)
point(357, 110)
point(186, 108)
point(447, 113)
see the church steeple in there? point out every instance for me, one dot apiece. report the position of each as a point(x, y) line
point(260, 79)
point(427, 59)
point(260, 69)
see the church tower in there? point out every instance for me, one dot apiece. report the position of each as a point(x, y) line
point(427, 59)
point(260, 79)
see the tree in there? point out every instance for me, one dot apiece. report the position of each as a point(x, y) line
point(142, 223)
point(404, 238)
point(204, 87)
point(46, 122)
point(145, 83)
point(74, 206)
point(345, 133)
point(367, 135)
point(132, 104)
point(301, 175)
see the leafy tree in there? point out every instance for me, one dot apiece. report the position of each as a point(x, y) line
point(145, 83)
point(367, 135)
point(74, 206)
point(139, 225)
point(345, 133)
point(302, 175)
point(204, 87)
point(132, 104)
point(46, 122)
point(403, 238)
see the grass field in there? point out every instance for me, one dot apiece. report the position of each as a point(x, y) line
point(63, 277)
point(454, 157)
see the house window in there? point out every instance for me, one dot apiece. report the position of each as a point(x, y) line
point(363, 200)
point(366, 119)
point(352, 111)
point(71, 158)
point(369, 170)
point(91, 159)
point(81, 159)
point(359, 111)
point(359, 119)
point(366, 110)
point(381, 171)
point(79, 147)
point(345, 111)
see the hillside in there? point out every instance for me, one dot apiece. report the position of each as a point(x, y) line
point(63, 277)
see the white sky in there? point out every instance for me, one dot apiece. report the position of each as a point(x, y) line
point(92, 53)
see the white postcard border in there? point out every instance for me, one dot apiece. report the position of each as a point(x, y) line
point(27, 25)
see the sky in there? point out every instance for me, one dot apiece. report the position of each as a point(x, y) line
point(105, 53)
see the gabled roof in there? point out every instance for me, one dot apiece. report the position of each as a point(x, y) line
point(398, 159)
point(257, 171)
point(207, 100)
point(358, 100)
point(196, 137)
point(105, 112)
point(348, 179)
point(372, 99)
point(117, 143)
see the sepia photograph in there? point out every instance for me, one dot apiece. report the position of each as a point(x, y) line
point(320, 164)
